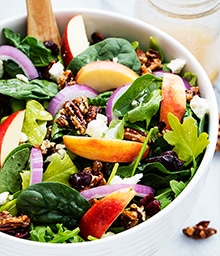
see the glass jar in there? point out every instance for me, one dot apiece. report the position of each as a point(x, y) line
point(195, 23)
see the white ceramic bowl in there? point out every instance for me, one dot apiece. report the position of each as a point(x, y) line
point(146, 238)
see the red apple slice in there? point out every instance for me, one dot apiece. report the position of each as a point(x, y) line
point(174, 98)
point(74, 39)
point(10, 133)
point(105, 75)
point(102, 214)
point(102, 149)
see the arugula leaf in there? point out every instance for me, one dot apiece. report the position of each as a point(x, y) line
point(116, 129)
point(59, 169)
point(60, 234)
point(107, 49)
point(184, 137)
point(177, 187)
point(35, 122)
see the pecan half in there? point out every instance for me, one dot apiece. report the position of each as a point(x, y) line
point(200, 230)
point(134, 135)
point(17, 226)
point(133, 216)
point(66, 79)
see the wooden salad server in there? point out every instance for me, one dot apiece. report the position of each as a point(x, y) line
point(41, 22)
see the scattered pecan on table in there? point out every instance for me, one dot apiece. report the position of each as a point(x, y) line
point(200, 230)
point(218, 139)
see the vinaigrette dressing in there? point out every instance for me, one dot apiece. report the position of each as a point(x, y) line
point(195, 23)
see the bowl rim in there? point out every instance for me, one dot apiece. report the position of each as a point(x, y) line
point(209, 152)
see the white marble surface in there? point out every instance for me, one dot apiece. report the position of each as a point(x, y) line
point(208, 206)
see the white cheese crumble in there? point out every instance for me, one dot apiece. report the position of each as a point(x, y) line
point(3, 197)
point(23, 137)
point(176, 65)
point(97, 127)
point(22, 78)
point(131, 180)
point(199, 106)
point(56, 71)
point(1, 69)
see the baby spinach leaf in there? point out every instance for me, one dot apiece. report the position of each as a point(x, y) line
point(35, 122)
point(108, 49)
point(34, 49)
point(16, 161)
point(59, 169)
point(138, 92)
point(51, 203)
point(185, 139)
point(34, 89)
point(145, 110)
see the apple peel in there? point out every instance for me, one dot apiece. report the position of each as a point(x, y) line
point(103, 149)
point(96, 221)
point(10, 133)
point(174, 98)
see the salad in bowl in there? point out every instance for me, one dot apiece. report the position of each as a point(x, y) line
point(98, 135)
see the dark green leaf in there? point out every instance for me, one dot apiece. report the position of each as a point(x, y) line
point(108, 49)
point(51, 203)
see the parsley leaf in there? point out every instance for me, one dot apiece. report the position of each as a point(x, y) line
point(185, 139)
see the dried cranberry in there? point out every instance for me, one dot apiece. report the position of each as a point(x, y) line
point(80, 180)
point(151, 205)
point(52, 46)
point(169, 159)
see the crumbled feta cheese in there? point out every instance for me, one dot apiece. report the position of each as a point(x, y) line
point(199, 106)
point(56, 71)
point(107, 234)
point(131, 180)
point(97, 127)
point(176, 65)
point(23, 137)
point(1, 69)
point(22, 78)
point(3, 197)
point(115, 59)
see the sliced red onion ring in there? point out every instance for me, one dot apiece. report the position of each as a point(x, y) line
point(11, 53)
point(70, 93)
point(115, 95)
point(104, 190)
point(36, 162)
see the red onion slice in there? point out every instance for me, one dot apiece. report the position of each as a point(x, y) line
point(36, 163)
point(11, 53)
point(115, 95)
point(70, 93)
point(101, 191)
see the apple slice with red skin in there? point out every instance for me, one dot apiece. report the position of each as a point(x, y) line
point(174, 98)
point(10, 133)
point(103, 149)
point(103, 213)
point(105, 75)
point(74, 39)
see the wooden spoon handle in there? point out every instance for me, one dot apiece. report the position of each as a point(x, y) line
point(41, 22)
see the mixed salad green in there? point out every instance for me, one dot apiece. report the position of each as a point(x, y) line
point(173, 158)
